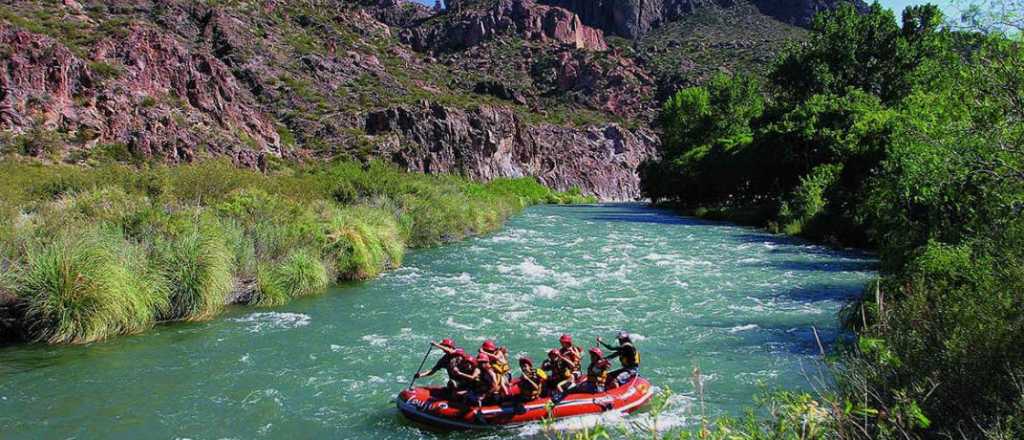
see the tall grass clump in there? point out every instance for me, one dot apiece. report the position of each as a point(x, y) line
point(80, 290)
point(197, 266)
point(363, 242)
point(301, 274)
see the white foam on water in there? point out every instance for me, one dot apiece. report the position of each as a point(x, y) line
point(375, 340)
point(245, 359)
point(335, 348)
point(528, 268)
point(756, 377)
point(659, 257)
point(531, 269)
point(608, 419)
point(743, 328)
point(516, 315)
point(259, 322)
point(463, 278)
point(451, 323)
point(567, 280)
point(545, 292)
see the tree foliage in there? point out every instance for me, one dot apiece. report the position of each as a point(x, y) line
point(907, 137)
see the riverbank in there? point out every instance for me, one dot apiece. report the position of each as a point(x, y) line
point(90, 253)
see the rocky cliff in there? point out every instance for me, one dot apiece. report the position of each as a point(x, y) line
point(467, 26)
point(489, 88)
point(636, 18)
point(495, 142)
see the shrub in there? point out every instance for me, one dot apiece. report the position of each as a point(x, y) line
point(301, 274)
point(270, 292)
point(198, 266)
point(807, 201)
point(363, 242)
point(82, 290)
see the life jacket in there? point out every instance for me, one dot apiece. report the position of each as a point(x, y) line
point(530, 390)
point(574, 354)
point(627, 359)
point(559, 370)
point(597, 372)
point(499, 363)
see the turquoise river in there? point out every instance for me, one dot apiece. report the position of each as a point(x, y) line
point(738, 303)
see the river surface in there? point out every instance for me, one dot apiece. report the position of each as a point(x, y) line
point(738, 303)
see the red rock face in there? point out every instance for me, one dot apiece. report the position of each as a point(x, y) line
point(470, 26)
point(144, 90)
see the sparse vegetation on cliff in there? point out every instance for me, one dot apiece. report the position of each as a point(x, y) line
point(89, 253)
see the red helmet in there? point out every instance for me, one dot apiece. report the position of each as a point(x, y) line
point(565, 339)
point(489, 345)
point(461, 353)
point(484, 360)
point(596, 352)
point(448, 342)
point(525, 361)
point(552, 353)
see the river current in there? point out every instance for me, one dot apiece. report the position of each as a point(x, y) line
point(737, 303)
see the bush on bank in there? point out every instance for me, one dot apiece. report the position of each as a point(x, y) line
point(88, 253)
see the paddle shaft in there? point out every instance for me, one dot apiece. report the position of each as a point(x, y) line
point(421, 365)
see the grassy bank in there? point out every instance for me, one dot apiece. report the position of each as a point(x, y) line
point(89, 253)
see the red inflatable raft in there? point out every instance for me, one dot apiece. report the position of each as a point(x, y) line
point(429, 405)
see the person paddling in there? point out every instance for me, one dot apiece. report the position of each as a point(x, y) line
point(531, 383)
point(466, 375)
point(597, 372)
point(488, 385)
point(499, 362)
point(629, 358)
point(570, 352)
point(448, 362)
point(559, 373)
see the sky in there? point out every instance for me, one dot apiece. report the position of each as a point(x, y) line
point(896, 5)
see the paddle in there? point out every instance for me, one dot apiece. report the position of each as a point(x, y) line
point(421, 365)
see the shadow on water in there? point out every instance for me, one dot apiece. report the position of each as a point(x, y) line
point(640, 213)
point(820, 266)
point(818, 293)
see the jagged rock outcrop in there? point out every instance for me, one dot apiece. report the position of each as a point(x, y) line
point(141, 89)
point(494, 142)
point(471, 24)
point(635, 18)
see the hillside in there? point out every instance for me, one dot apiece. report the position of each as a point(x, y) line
point(495, 88)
